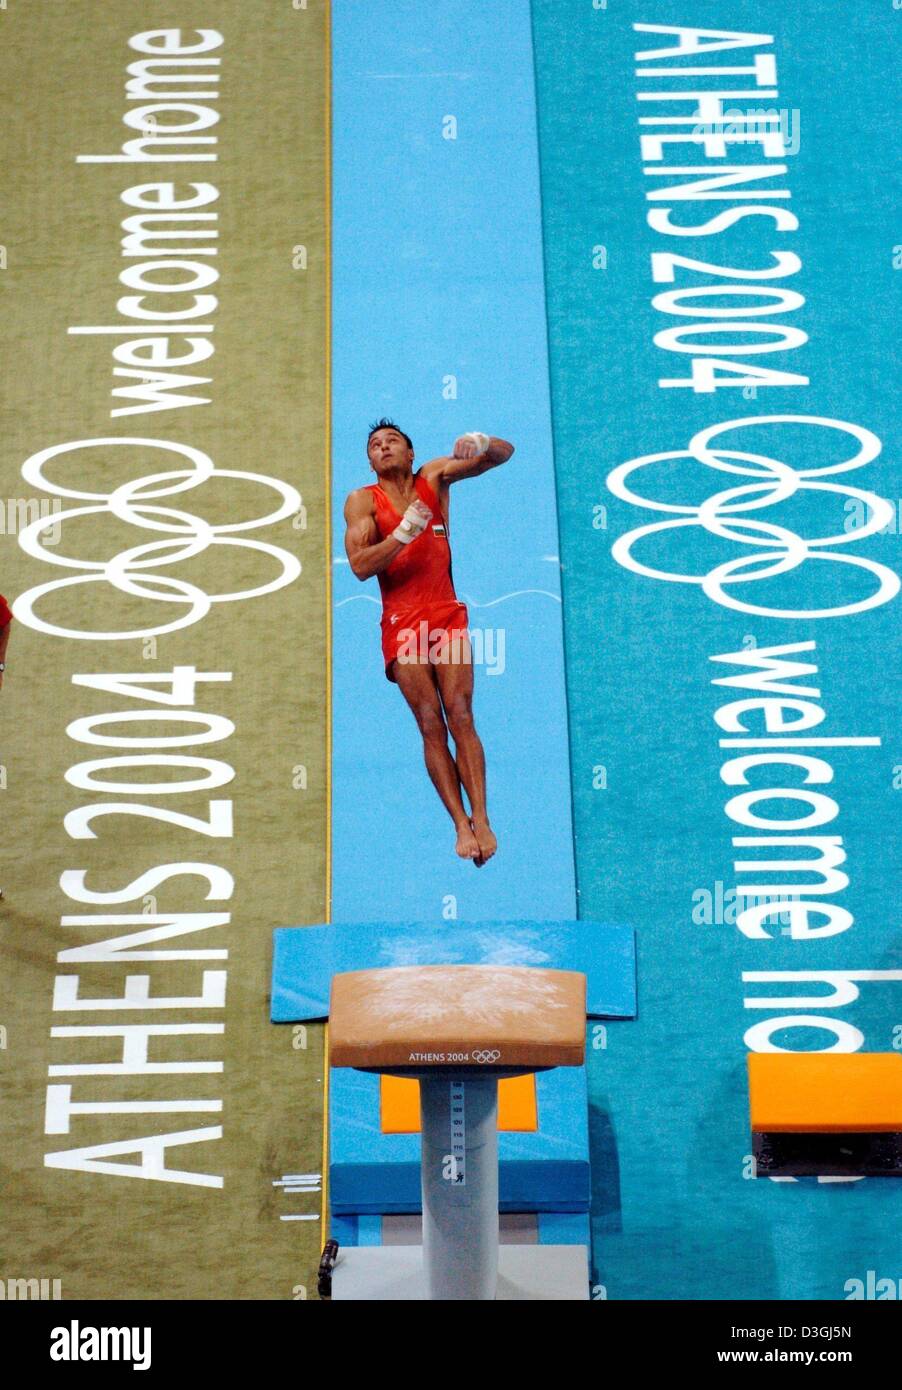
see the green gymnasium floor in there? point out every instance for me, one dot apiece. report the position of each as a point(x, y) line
point(259, 407)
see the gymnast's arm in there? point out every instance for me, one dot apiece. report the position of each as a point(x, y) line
point(366, 553)
point(466, 460)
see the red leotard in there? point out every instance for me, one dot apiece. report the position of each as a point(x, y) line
point(417, 587)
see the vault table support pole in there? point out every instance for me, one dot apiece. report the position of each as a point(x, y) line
point(459, 1119)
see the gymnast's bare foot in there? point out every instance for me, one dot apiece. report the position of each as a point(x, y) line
point(467, 844)
point(485, 838)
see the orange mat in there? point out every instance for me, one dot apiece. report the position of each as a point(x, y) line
point(399, 1104)
point(825, 1092)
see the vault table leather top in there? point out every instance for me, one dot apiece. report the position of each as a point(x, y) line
point(457, 1015)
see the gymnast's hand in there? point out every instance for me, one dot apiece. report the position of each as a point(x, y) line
point(470, 446)
point(413, 523)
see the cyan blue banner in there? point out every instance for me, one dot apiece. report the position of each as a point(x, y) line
point(722, 269)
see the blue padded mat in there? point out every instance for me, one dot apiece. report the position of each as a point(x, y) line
point(306, 958)
point(547, 1168)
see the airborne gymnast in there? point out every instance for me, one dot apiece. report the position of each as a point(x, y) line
point(397, 528)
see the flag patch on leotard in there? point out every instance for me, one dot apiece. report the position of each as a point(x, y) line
point(438, 529)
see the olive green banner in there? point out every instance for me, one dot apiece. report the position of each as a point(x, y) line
point(163, 528)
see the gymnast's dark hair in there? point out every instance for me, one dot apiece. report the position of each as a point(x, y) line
point(385, 424)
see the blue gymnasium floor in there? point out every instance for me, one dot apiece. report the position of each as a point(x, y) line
point(455, 230)
point(439, 322)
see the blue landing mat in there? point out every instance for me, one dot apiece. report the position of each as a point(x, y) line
point(306, 958)
point(547, 1168)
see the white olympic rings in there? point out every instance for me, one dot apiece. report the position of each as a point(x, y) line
point(186, 536)
point(726, 516)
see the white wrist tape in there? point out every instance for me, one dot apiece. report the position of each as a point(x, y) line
point(413, 523)
point(480, 440)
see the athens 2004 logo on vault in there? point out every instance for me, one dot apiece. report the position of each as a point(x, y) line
point(726, 514)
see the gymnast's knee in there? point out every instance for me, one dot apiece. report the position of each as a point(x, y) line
point(430, 723)
point(459, 713)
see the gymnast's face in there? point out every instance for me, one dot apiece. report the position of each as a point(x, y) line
point(388, 451)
